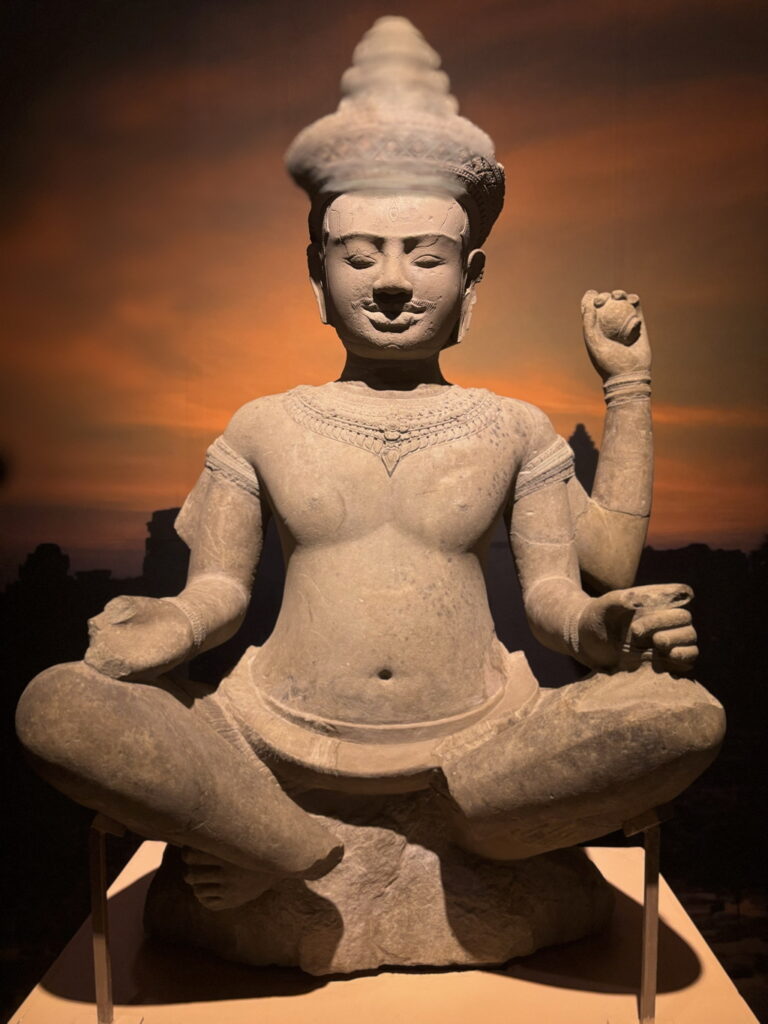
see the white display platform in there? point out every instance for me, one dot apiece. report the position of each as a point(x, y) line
point(593, 981)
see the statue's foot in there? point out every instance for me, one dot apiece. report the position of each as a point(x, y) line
point(403, 896)
point(219, 885)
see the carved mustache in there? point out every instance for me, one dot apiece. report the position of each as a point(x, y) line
point(404, 307)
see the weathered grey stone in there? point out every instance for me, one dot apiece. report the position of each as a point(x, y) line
point(404, 895)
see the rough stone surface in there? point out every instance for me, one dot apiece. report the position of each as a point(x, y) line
point(402, 896)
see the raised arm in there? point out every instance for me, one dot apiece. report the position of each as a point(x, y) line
point(611, 524)
point(604, 632)
point(142, 637)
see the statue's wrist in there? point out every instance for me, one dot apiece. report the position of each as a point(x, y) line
point(585, 640)
point(194, 620)
point(633, 386)
point(571, 630)
point(572, 625)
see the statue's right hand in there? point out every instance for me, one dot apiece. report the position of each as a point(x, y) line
point(138, 638)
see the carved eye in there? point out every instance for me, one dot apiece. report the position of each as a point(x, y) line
point(428, 261)
point(359, 262)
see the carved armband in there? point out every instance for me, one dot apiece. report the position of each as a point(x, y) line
point(627, 387)
point(221, 458)
point(555, 463)
point(224, 463)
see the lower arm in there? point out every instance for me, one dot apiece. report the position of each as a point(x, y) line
point(609, 544)
point(553, 607)
point(611, 527)
point(214, 605)
point(624, 477)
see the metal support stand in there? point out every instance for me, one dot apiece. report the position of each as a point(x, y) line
point(650, 826)
point(102, 965)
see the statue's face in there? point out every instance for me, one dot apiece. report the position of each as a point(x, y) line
point(395, 272)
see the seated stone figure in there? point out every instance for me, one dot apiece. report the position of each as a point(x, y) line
point(383, 685)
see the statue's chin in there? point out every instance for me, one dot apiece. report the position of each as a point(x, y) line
point(393, 345)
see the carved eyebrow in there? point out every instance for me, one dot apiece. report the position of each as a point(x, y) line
point(417, 241)
point(359, 236)
point(410, 242)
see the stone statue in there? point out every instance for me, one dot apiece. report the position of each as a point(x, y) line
point(383, 717)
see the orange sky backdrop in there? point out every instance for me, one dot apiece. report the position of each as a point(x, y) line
point(153, 248)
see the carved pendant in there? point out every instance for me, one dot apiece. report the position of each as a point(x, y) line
point(392, 428)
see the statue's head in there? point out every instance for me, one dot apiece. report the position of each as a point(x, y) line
point(404, 192)
point(394, 273)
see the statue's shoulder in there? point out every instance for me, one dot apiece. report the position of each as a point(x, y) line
point(254, 424)
point(524, 417)
point(529, 428)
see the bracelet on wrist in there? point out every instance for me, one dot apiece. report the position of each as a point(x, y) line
point(192, 617)
point(571, 629)
point(634, 386)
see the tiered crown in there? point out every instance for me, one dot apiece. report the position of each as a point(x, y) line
point(397, 129)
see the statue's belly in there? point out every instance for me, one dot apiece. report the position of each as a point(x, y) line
point(314, 751)
point(382, 632)
point(382, 653)
point(392, 696)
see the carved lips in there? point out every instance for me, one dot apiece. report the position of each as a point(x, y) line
point(397, 319)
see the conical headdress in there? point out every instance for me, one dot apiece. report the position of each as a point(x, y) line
point(397, 129)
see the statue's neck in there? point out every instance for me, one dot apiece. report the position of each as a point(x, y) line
point(393, 374)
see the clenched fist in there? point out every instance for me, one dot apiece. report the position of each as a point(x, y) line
point(615, 333)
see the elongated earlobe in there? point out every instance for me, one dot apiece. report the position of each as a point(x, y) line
point(475, 268)
point(317, 279)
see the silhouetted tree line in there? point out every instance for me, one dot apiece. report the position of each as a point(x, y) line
point(717, 841)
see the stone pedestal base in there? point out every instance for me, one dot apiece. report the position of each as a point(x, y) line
point(585, 982)
point(403, 895)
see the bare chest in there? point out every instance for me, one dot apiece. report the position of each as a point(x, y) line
point(441, 483)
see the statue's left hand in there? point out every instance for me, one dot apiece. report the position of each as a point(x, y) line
point(615, 333)
point(624, 627)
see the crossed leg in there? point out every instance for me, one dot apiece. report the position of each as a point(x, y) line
point(591, 756)
point(151, 756)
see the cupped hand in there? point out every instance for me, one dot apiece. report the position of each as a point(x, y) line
point(138, 638)
point(622, 628)
point(611, 349)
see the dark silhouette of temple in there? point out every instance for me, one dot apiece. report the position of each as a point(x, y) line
point(585, 456)
point(164, 569)
point(716, 844)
